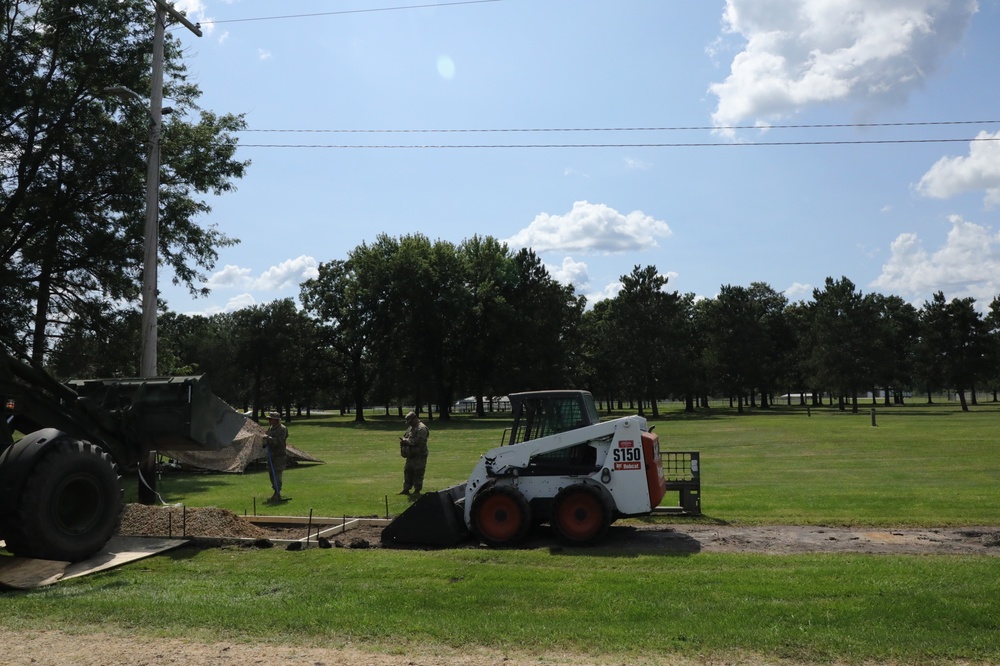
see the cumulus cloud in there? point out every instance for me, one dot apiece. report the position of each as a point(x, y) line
point(289, 273)
point(263, 54)
point(951, 176)
point(571, 272)
point(968, 264)
point(610, 291)
point(591, 228)
point(230, 277)
point(802, 52)
point(797, 291)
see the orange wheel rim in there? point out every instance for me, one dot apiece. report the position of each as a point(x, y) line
point(580, 516)
point(499, 517)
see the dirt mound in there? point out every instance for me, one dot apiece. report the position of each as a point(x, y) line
point(168, 521)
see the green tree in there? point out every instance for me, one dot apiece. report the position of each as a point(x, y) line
point(930, 364)
point(842, 353)
point(346, 312)
point(993, 346)
point(547, 341)
point(897, 327)
point(490, 275)
point(644, 312)
point(270, 348)
point(72, 162)
point(959, 336)
point(605, 373)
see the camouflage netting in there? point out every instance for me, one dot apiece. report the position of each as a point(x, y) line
point(247, 447)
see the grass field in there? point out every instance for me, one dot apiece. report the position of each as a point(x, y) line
point(920, 466)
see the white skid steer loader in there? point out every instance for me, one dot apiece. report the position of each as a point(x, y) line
point(561, 465)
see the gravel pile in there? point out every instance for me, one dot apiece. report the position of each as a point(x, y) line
point(165, 521)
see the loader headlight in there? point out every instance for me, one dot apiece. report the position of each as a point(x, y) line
point(605, 475)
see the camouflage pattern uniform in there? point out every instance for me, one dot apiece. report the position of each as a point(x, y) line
point(276, 441)
point(413, 447)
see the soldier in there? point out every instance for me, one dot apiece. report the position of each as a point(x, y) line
point(413, 447)
point(276, 443)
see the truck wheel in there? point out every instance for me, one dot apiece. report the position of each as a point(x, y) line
point(501, 516)
point(71, 504)
point(580, 514)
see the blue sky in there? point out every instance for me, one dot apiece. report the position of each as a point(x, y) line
point(719, 191)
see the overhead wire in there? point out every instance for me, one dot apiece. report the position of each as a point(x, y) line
point(352, 11)
point(679, 144)
point(619, 145)
point(636, 129)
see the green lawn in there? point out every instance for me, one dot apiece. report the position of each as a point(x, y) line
point(921, 466)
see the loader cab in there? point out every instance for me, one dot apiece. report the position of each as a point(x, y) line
point(543, 413)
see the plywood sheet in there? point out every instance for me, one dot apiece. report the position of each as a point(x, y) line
point(25, 573)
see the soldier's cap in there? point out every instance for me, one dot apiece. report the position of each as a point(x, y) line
point(274, 415)
point(411, 415)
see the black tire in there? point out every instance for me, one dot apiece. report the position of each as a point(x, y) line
point(500, 516)
point(581, 514)
point(71, 504)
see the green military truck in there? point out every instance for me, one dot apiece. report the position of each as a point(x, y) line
point(64, 445)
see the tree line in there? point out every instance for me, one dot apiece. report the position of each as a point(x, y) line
point(410, 321)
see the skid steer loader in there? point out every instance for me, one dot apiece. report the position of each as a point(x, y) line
point(559, 465)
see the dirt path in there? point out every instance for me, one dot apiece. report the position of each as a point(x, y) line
point(678, 537)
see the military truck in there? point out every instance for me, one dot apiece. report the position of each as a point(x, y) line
point(64, 446)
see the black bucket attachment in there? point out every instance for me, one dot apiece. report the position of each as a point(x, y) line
point(435, 519)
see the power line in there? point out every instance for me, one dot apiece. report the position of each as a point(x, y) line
point(623, 145)
point(624, 129)
point(351, 11)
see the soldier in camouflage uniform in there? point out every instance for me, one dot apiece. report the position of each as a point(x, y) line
point(276, 441)
point(413, 447)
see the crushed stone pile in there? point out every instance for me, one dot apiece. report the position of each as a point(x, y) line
point(166, 521)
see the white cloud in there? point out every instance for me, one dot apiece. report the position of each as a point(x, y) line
point(571, 273)
point(290, 273)
point(797, 291)
point(230, 277)
point(239, 302)
point(263, 54)
point(967, 265)
point(591, 228)
point(610, 291)
point(956, 175)
point(802, 52)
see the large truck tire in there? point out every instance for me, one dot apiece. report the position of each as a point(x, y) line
point(501, 516)
point(69, 505)
point(581, 514)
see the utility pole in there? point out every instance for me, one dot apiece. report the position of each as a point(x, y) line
point(147, 358)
